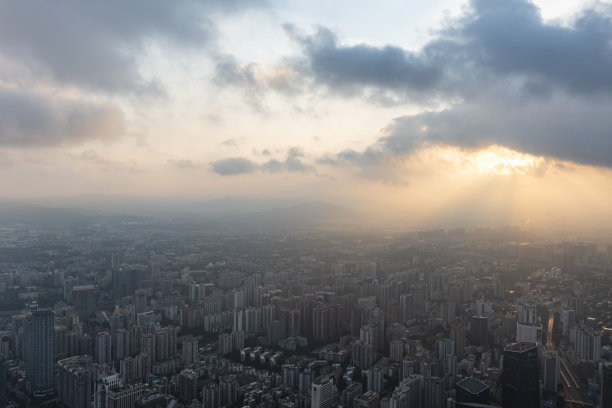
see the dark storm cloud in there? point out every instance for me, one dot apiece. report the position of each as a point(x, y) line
point(516, 81)
point(29, 119)
point(233, 166)
point(496, 40)
point(568, 130)
point(577, 131)
point(349, 68)
point(510, 38)
point(96, 44)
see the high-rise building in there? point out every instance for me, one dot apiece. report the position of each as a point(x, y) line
point(370, 399)
point(103, 387)
point(323, 393)
point(229, 390)
point(552, 368)
point(433, 392)
point(587, 343)
point(189, 349)
point(325, 322)
point(74, 381)
point(471, 391)
point(291, 376)
point(396, 350)
point(527, 313)
point(3, 396)
point(479, 330)
point(121, 344)
point(125, 396)
point(294, 328)
point(376, 379)
point(520, 382)
point(406, 308)
point(84, 300)
point(140, 300)
point(39, 353)
point(188, 385)
point(351, 392)
point(528, 333)
point(211, 395)
point(606, 384)
point(408, 392)
point(103, 347)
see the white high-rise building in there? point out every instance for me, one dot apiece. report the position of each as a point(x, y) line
point(324, 393)
point(529, 333)
point(587, 343)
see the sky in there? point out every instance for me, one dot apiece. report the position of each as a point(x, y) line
point(486, 111)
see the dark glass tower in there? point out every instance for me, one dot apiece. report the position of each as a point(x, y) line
point(479, 330)
point(606, 384)
point(471, 391)
point(520, 382)
point(39, 355)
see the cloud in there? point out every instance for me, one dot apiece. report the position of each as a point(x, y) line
point(564, 129)
point(184, 164)
point(502, 45)
point(578, 131)
point(230, 143)
point(96, 45)
point(505, 77)
point(29, 119)
point(293, 163)
point(350, 68)
point(256, 79)
point(233, 166)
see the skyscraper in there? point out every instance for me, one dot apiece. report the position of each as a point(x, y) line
point(103, 347)
point(39, 356)
point(471, 391)
point(3, 399)
point(606, 384)
point(323, 393)
point(552, 369)
point(520, 382)
point(75, 381)
point(479, 330)
point(433, 392)
point(406, 308)
point(140, 300)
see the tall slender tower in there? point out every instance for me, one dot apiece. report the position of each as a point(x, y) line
point(39, 356)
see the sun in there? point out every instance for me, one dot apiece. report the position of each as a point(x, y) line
point(503, 161)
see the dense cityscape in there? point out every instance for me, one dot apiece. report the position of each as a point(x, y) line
point(154, 313)
point(305, 204)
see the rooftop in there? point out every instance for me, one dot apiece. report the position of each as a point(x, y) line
point(472, 385)
point(520, 347)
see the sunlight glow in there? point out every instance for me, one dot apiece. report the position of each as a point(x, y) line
point(504, 161)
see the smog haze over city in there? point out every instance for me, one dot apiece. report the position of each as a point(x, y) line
point(295, 204)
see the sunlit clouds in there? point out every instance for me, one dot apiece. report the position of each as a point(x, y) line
point(473, 112)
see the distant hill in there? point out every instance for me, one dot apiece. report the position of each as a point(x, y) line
point(232, 204)
point(310, 214)
point(222, 212)
point(16, 212)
